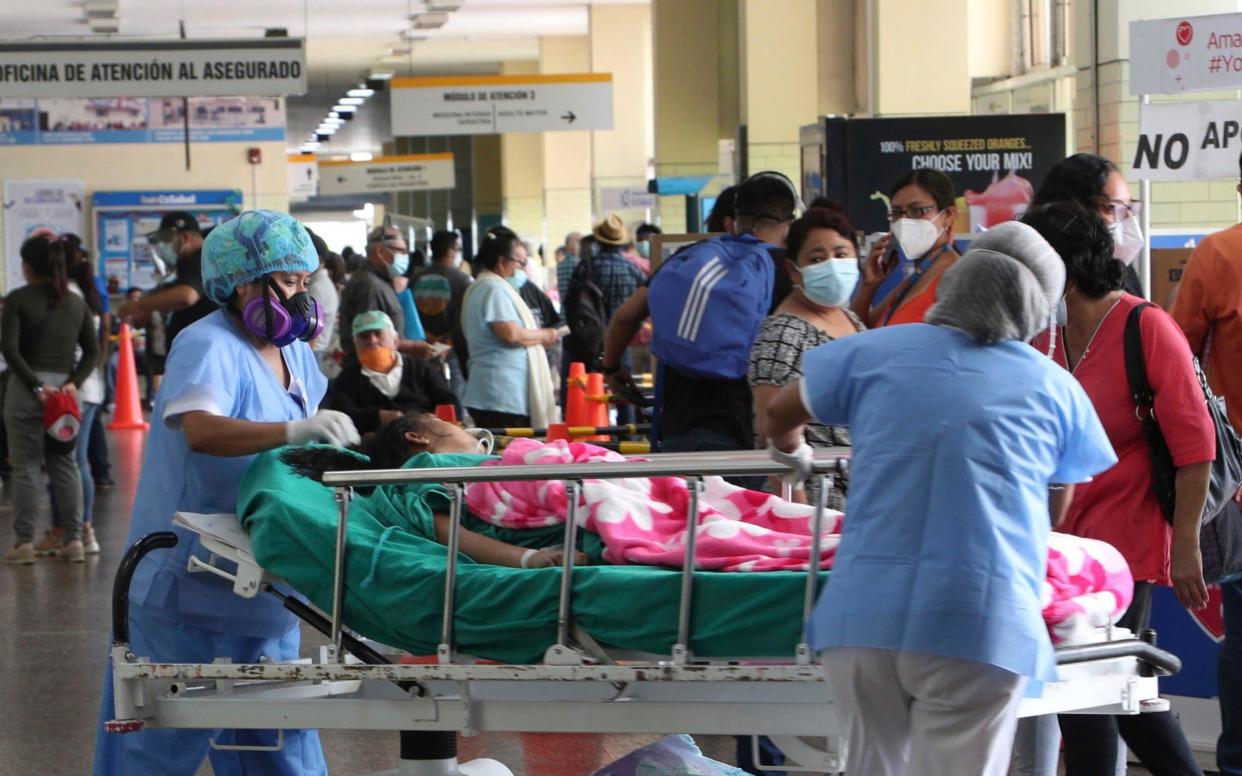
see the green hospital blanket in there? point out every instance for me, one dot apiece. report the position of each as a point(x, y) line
point(395, 572)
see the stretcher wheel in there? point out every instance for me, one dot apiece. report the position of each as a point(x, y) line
point(124, 726)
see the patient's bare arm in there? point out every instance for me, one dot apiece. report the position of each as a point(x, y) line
point(484, 549)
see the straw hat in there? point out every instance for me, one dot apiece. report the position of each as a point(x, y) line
point(612, 231)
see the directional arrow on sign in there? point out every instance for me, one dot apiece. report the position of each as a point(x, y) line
point(340, 179)
point(569, 116)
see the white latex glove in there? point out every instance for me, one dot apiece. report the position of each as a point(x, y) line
point(330, 426)
point(801, 462)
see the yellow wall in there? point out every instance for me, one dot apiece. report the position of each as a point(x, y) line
point(686, 95)
point(779, 68)
point(989, 38)
point(566, 155)
point(836, 46)
point(521, 175)
point(923, 56)
point(119, 167)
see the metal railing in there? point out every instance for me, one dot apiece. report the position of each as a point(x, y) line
point(693, 466)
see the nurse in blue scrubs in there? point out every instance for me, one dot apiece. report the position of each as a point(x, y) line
point(967, 443)
point(238, 382)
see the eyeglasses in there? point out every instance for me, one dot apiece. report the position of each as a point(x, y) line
point(915, 211)
point(1124, 211)
point(521, 264)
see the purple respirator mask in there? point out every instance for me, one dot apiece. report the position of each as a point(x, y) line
point(281, 321)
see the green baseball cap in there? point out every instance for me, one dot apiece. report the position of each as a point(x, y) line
point(372, 320)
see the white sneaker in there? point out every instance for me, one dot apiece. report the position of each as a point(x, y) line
point(52, 543)
point(73, 552)
point(89, 544)
point(21, 554)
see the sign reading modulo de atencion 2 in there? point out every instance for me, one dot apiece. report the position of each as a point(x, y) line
point(173, 68)
point(490, 104)
point(408, 172)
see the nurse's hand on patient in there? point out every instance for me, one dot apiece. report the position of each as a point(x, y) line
point(801, 462)
point(330, 426)
point(1187, 573)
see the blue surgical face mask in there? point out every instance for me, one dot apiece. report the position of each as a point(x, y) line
point(831, 282)
point(518, 280)
point(644, 249)
point(400, 265)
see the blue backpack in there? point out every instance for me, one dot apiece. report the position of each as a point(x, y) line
point(707, 303)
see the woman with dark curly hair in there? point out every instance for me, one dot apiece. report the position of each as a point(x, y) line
point(1096, 184)
point(1120, 505)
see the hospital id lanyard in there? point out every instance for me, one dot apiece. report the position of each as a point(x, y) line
point(913, 280)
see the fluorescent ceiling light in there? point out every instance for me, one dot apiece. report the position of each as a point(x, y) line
point(433, 20)
point(360, 92)
point(333, 120)
point(394, 59)
point(399, 51)
point(105, 26)
point(343, 108)
point(381, 75)
point(100, 9)
point(444, 5)
point(326, 130)
point(361, 156)
point(352, 101)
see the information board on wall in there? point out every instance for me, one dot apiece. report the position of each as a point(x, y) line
point(81, 121)
point(1186, 54)
point(995, 162)
point(31, 206)
point(167, 68)
point(303, 177)
point(490, 104)
point(410, 172)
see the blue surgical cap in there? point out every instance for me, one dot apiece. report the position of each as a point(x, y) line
point(252, 245)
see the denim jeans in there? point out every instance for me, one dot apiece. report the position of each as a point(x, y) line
point(1229, 679)
point(23, 421)
point(701, 440)
point(97, 450)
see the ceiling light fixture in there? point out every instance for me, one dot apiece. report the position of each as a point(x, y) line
point(433, 20)
point(352, 101)
point(444, 5)
point(361, 156)
point(100, 9)
point(360, 92)
point(380, 75)
point(106, 25)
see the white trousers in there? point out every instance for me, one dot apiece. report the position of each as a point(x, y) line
point(904, 713)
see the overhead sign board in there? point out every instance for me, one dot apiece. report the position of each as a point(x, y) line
point(1189, 141)
point(171, 68)
point(412, 172)
point(625, 198)
point(490, 104)
point(1186, 54)
point(303, 177)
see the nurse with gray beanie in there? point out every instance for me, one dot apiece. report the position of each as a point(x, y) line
point(967, 445)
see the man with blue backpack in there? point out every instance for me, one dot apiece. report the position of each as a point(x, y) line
point(706, 304)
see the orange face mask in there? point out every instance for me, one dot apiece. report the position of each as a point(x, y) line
point(378, 359)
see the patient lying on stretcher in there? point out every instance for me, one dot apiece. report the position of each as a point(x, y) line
point(642, 521)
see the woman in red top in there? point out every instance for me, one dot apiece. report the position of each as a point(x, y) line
point(922, 213)
point(1119, 506)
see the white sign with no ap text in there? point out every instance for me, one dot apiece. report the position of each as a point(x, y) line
point(1189, 141)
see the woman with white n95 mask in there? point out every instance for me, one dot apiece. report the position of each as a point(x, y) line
point(922, 213)
point(238, 382)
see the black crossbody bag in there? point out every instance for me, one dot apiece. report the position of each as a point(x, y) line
point(1220, 533)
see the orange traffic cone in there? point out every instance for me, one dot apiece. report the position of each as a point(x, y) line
point(446, 412)
point(597, 402)
point(128, 415)
point(576, 413)
point(558, 431)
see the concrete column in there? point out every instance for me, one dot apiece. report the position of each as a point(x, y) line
point(922, 57)
point(778, 41)
point(621, 44)
point(521, 173)
point(566, 155)
point(696, 100)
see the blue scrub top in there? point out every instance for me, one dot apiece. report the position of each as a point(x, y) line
point(214, 368)
point(498, 372)
point(944, 545)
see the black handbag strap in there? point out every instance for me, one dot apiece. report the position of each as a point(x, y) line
point(1136, 365)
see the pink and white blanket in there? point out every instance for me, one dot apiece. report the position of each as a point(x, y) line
point(643, 521)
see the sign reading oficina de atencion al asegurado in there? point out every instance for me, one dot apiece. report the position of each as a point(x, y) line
point(167, 68)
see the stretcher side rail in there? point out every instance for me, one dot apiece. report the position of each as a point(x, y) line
point(693, 466)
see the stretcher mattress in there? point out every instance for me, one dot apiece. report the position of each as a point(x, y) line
point(395, 572)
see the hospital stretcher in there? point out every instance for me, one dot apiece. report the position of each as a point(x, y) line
point(579, 687)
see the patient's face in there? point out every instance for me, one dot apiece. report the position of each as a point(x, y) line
point(450, 438)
